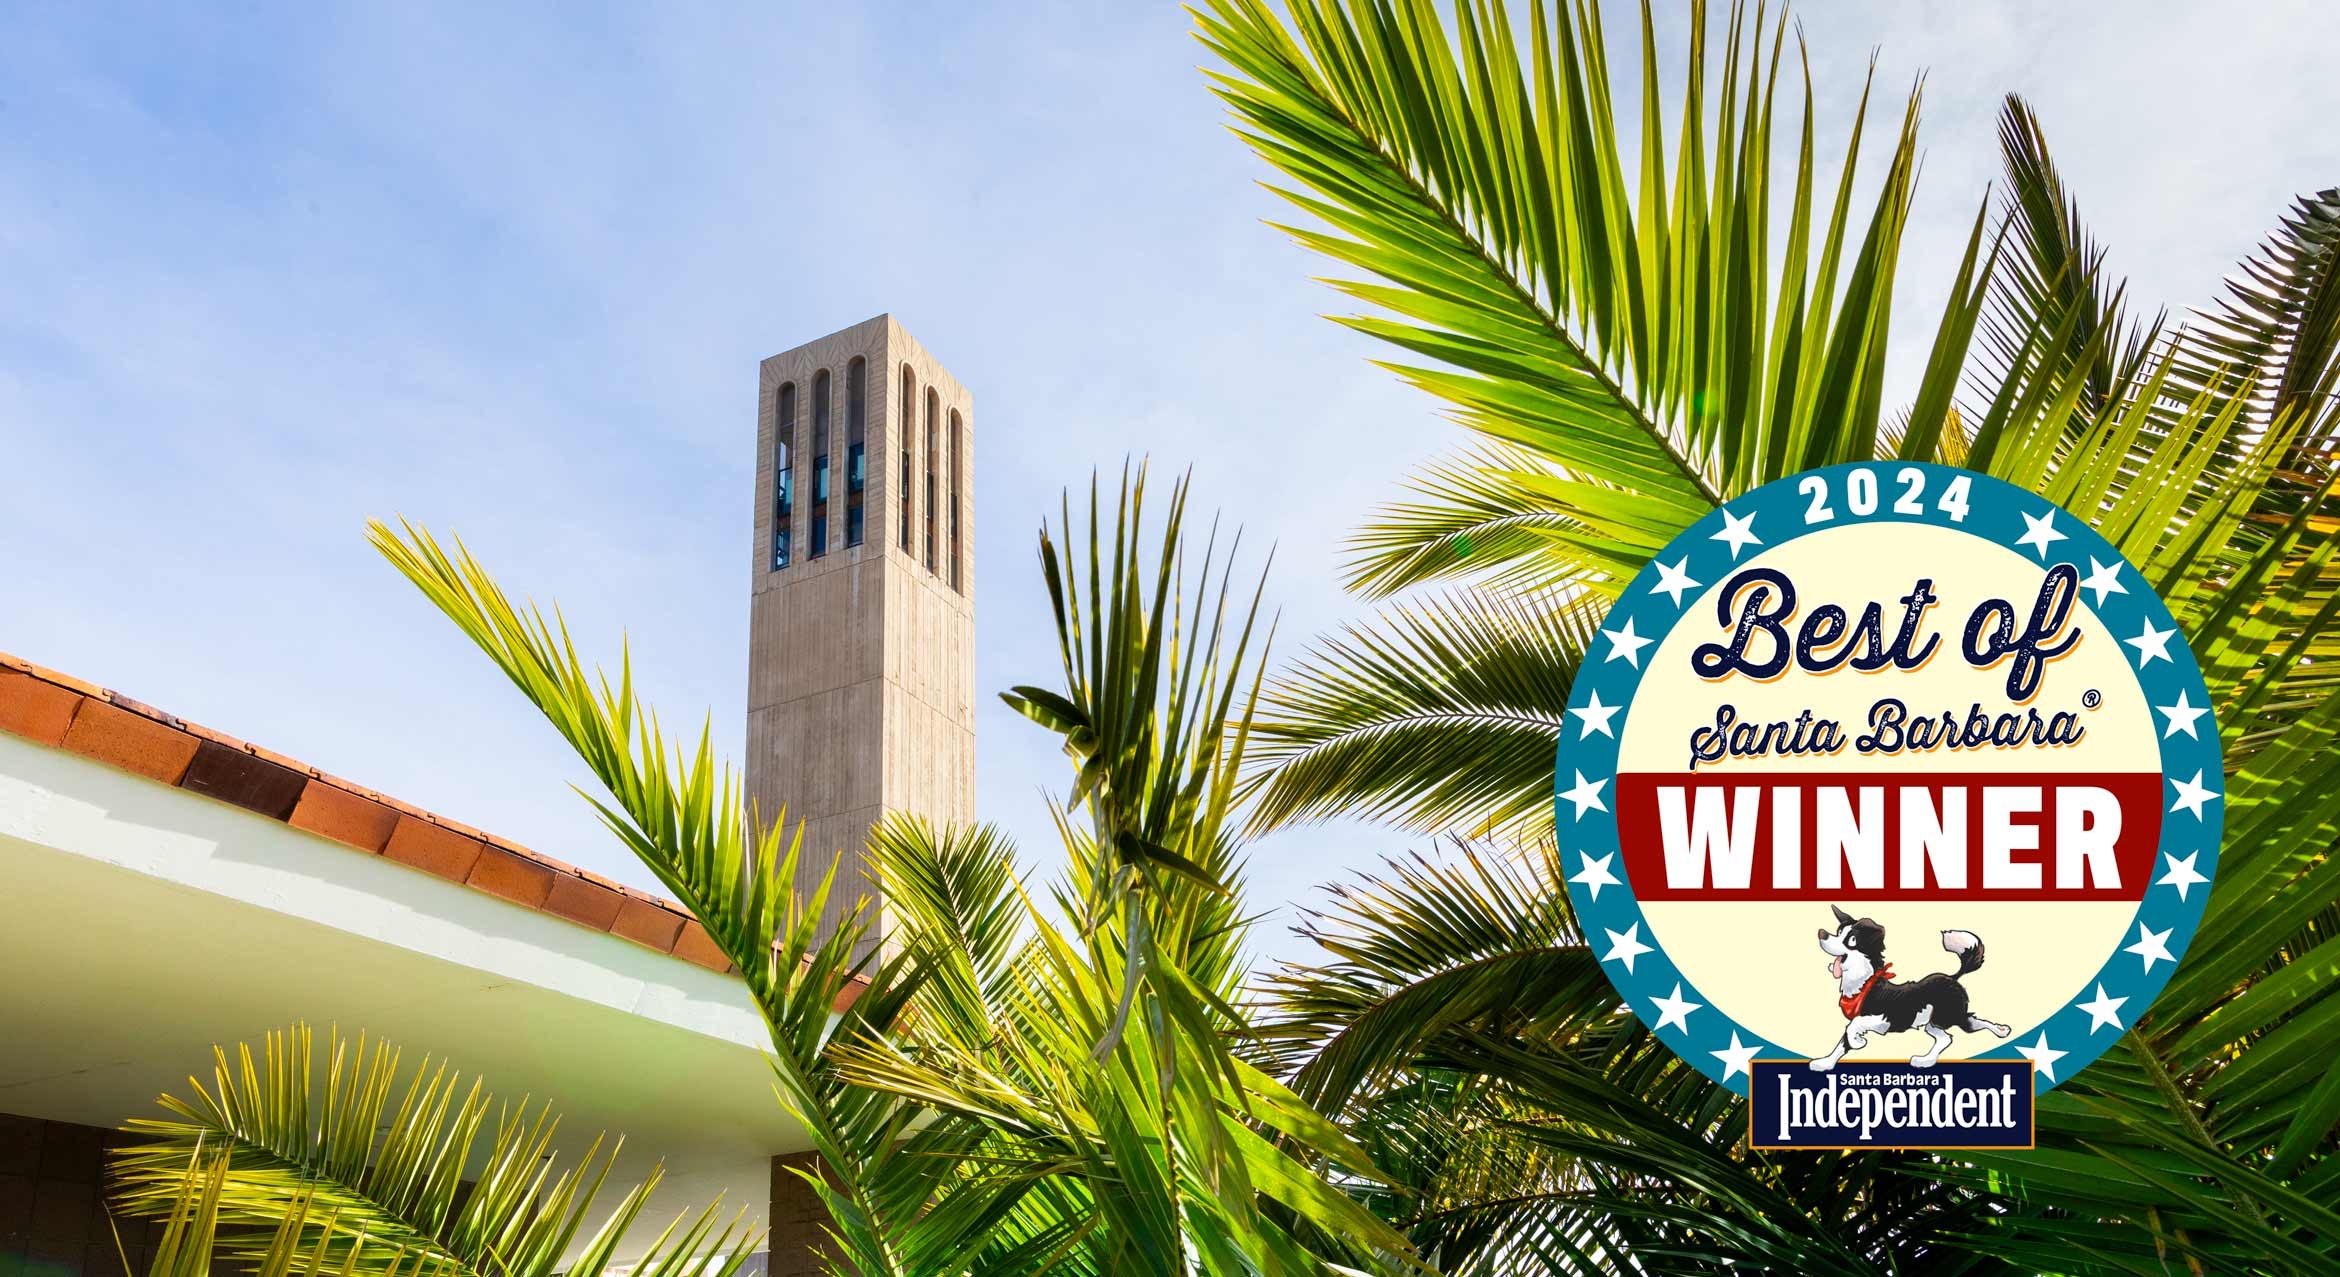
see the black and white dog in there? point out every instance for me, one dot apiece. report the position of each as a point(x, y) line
point(1874, 1002)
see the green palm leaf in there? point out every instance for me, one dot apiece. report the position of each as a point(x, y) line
point(2059, 268)
point(1643, 341)
point(383, 1175)
point(1370, 721)
point(188, 1247)
point(1487, 516)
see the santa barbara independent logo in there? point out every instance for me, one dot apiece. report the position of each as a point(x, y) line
point(1889, 796)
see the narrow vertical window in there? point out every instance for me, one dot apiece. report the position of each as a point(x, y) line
point(783, 475)
point(820, 444)
point(856, 411)
point(932, 427)
point(958, 431)
point(909, 431)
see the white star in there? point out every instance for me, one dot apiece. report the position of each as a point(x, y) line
point(1625, 946)
point(2181, 717)
point(1672, 580)
point(2043, 1056)
point(2152, 645)
point(1595, 874)
point(1596, 718)
point(2152, 946)
point(2182, 873)
point(1586, 795)
point(1736, 1058)
point(1625, 645)
point(1738, 533)
point(1675, 1009)
point(2106, 1010)
point(2190, 796)
point(2040, 531)
point(2104, 578)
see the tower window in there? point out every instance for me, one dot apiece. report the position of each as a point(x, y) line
point(820, 444)
point(958, 429)
point(856, 412)
point(909, 430)
point(932, 427)
point(784, 474)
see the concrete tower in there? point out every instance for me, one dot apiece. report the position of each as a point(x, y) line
point(861, 639)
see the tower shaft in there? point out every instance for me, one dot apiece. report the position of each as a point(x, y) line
point(862, 618)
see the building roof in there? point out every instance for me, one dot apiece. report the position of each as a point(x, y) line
point(62, 712)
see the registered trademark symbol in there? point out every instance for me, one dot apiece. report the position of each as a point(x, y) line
point(2091, 698)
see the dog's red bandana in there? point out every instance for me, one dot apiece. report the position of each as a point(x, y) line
point(1852, 1006)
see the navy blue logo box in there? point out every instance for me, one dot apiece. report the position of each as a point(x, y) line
point(1957, 1104)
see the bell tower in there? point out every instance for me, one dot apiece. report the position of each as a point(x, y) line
point(861, 630)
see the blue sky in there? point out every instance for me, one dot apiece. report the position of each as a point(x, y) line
point(508, 271)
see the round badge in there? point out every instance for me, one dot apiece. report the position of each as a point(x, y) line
point(1889, 762)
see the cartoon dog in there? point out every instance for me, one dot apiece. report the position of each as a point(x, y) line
point(1874, 1002)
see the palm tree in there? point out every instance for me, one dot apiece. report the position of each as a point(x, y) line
point(1018, 1088)
point(1629, 347)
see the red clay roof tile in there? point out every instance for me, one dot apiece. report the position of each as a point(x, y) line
point(425, 846)
point(132, 742)
point(515, 878)
point(584, 902)
point(695, 945)
point(233, 776)
point(649, 924)
point(561, 867)
point(37, 710)
point(333, 812)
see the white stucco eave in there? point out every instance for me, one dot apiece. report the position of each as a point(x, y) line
point(141, 924)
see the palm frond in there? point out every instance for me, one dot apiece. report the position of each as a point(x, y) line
point(1371, 721)
point(189, 1242)
point(953, 894)
point(2058, 269)
point(1646, 342)
point(380, 1174)
point(2274, 338)
point(1487, 516)
point(1423, 946)
point(760, 899)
